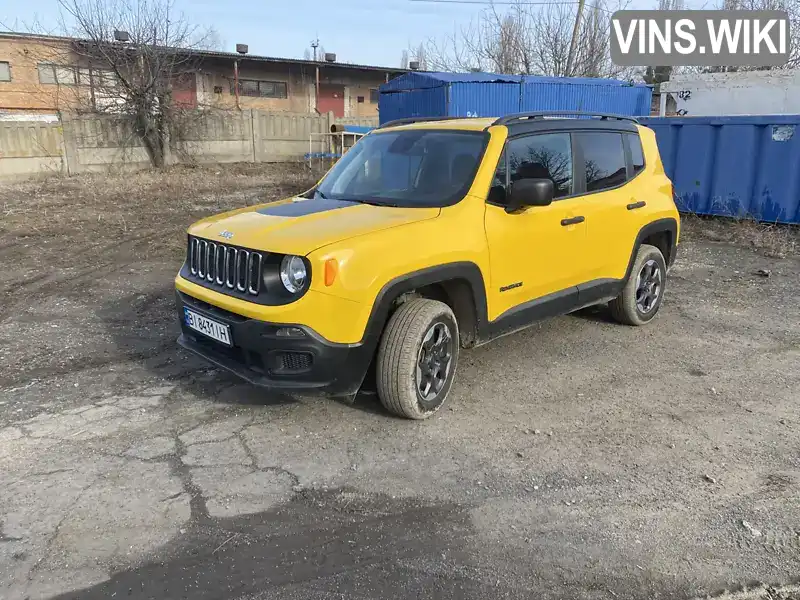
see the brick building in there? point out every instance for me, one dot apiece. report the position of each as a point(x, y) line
point(45, 74)
point(28, 76)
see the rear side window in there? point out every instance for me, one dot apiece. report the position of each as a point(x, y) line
point(637, 156)
point(546, 156)
point(604, 158)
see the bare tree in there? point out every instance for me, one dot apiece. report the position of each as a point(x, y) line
point(531, 39)
point(421, 56)
point(404, 60)
point(792, 7)
point(134, 52)
point(660, 74)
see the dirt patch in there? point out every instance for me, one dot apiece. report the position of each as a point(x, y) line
point(71, 225)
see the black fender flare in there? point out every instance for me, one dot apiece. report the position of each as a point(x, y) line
point(465, 271)
point(667, 225)
point(364, 351)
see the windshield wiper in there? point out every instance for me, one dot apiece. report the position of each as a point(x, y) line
point(376, 203)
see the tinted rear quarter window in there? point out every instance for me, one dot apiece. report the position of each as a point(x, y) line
point(604, 158)
point(637, 155)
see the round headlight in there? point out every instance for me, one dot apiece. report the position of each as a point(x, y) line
point(293, 273)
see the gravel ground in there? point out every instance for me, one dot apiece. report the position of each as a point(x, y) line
point(578, 459)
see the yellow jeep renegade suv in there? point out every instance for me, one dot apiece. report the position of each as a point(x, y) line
point(428, 236)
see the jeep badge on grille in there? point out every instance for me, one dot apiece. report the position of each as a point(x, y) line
point(226, 234)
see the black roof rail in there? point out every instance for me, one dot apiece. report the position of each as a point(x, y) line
point(508, 119)
point(409, 120)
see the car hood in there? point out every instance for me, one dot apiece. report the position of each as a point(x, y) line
point(301, 225)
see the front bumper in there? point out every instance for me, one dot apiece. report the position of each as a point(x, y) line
point(259, 356)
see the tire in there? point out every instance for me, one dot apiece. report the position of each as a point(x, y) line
point(399, 376)
point(638, 304)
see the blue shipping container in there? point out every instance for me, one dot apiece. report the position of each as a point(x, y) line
point(492, 95)
point(733, 166)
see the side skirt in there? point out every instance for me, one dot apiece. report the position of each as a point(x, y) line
point(558, 303)
point(599, 291)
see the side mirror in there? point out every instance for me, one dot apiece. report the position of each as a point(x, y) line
point(530, 192)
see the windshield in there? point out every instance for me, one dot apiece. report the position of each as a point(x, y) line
point(406, 168)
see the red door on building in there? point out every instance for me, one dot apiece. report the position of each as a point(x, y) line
point(331, 99)
point(184, 90)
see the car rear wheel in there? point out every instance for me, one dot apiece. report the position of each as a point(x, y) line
point(644, 291)
point(417, 358)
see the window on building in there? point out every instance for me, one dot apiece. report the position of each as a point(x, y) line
point(373, 96)
point(49, 73)
point(360, 99)
point(107, 79)
point(637, 156)
point(261, 89)
point(604, 158)
point(66, 76)
point(546, 156)
point(5, 71)
point(248, 88)
point(84, 76)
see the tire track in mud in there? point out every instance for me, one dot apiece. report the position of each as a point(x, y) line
point(124, 247)
point(757, 591)
point(782, 541)
point(89, 363)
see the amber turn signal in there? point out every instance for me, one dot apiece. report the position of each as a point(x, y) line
point(331, 268)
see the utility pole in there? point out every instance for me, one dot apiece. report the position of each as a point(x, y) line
point(574, 42)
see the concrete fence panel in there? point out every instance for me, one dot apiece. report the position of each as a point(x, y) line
point(30, 148)
point(98, 143)
point(102, 143)
point(213, 137)
point(286, 136)
point(360, 121)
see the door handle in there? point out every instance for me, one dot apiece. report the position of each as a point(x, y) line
point(572, 221)
point(635, 205)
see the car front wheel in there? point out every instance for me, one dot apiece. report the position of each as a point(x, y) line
point(417, 358)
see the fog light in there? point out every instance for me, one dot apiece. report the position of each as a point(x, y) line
point(290, 332)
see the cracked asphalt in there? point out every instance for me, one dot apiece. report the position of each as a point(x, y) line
point(578, 459)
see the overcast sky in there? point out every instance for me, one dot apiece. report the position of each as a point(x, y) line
point(358, 31)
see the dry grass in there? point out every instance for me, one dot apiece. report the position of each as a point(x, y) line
point(773, 240)
point(97, 210)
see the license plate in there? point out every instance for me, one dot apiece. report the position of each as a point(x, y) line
point(213, 329)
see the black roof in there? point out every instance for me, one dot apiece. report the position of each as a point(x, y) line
point(544, 121)
point(201, 54)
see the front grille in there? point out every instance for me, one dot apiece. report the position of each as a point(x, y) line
point(225, 266)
